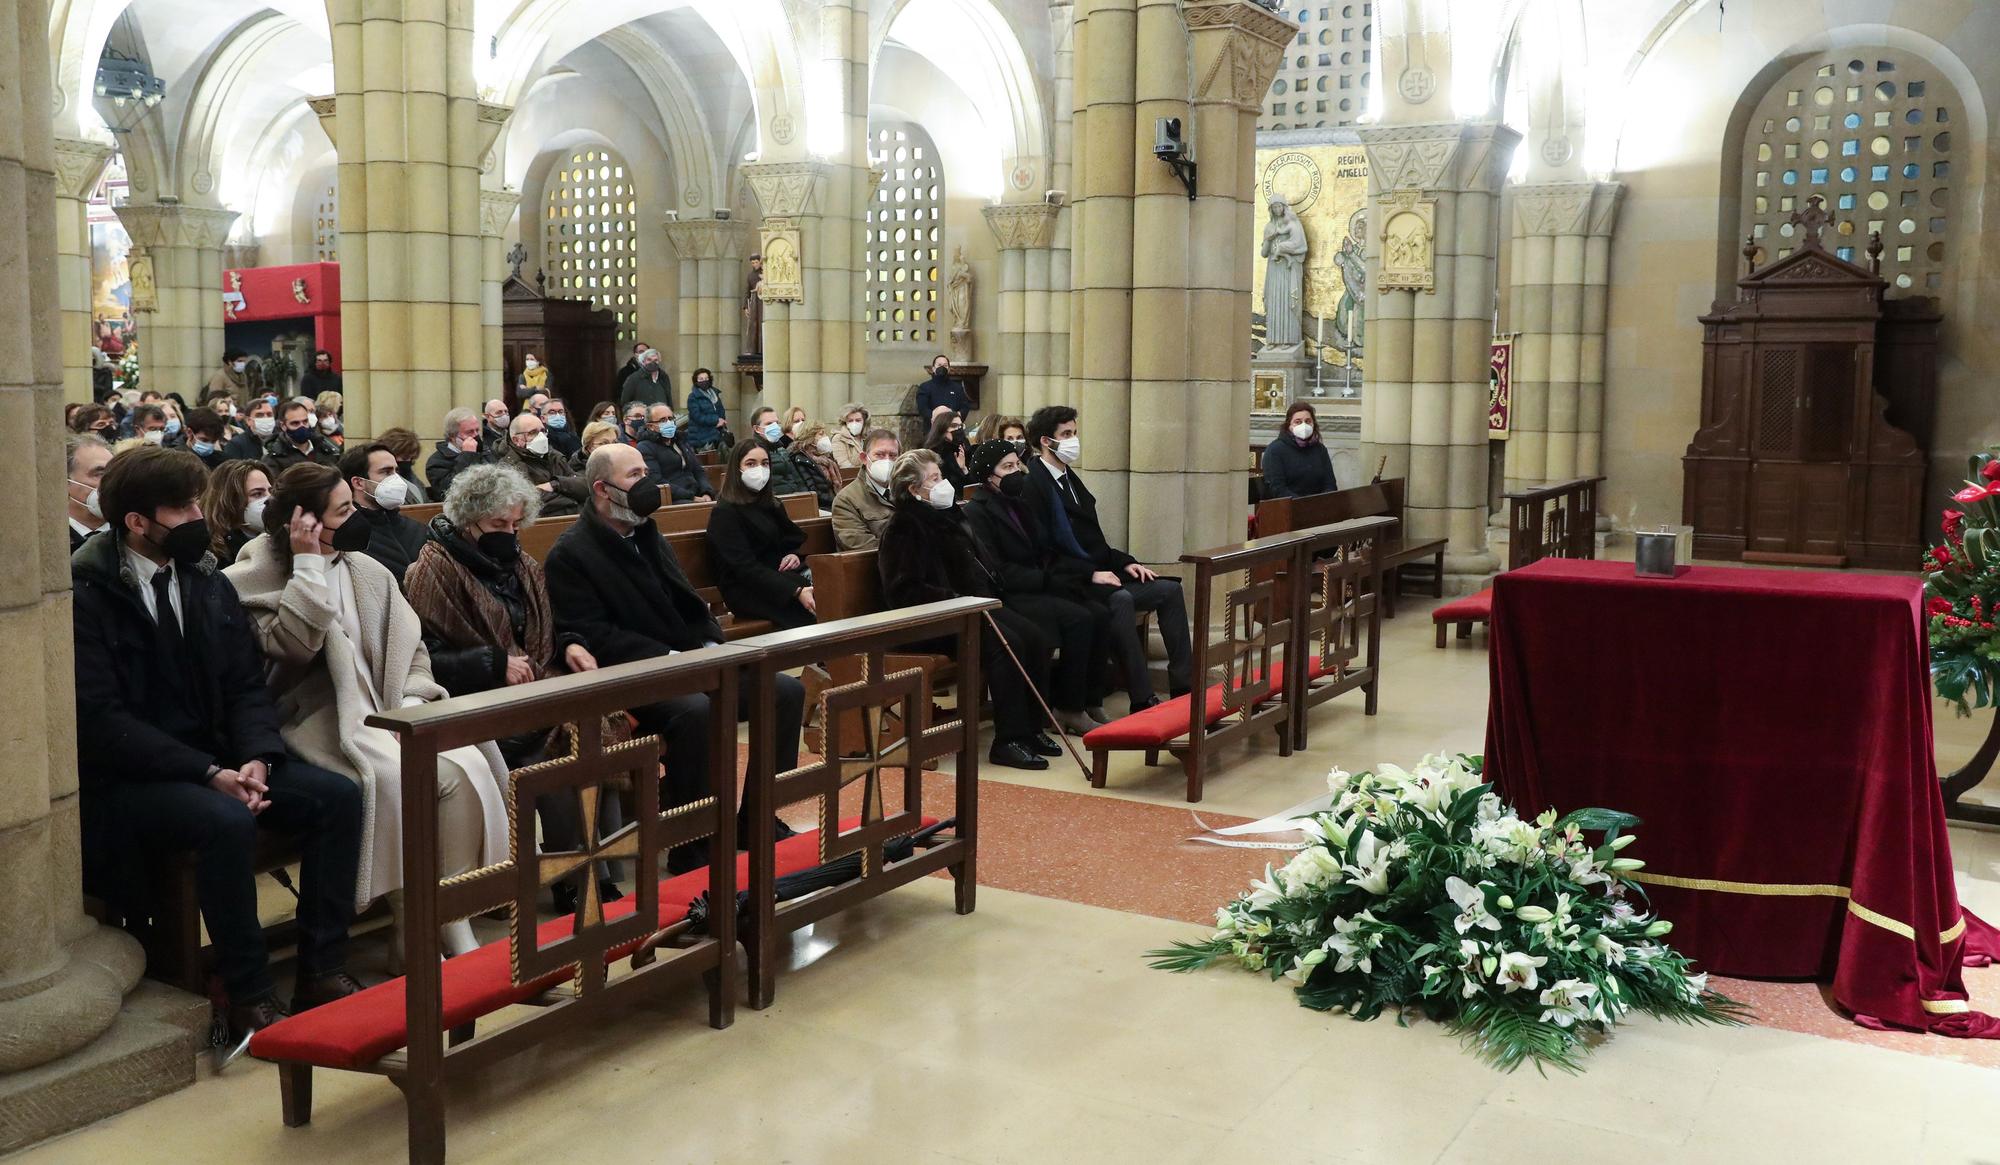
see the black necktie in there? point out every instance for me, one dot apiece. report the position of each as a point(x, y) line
point(170, 627)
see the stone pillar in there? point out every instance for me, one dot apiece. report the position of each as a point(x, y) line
point(79, 165)
point(1556, 296)
point(180, 336)
point(813, 354)
point(496, 210)
point(1165, 416)
point(410, 133)
point(63, 978)
point(712, 273)
point(1027, 346)
point(1062, 149)
point(1429, 350)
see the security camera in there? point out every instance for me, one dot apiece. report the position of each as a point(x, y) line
point(1167, 141)
point(722, 214)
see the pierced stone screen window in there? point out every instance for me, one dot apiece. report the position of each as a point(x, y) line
point(905, 237)
point(1870, 130)
point(590, 234)
point(326, 226)
point(1342, 37)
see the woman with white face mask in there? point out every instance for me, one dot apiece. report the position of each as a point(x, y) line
point(234, 505)
point(927, 556)
point(846, 436)
point(1297, 463)
point(756, 545)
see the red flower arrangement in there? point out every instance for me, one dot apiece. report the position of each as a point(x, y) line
point(1962, 592)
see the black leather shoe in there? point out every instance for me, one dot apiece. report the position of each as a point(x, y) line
point(1148, 702)
point(310, 993)
point(1041, 745)
point(608, 891)
point(1012, 754)
point(247, 1019)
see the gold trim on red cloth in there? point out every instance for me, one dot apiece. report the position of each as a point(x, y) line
point(1945, 1006)
point(1799, 890)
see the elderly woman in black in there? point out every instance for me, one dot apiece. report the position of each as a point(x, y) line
point(756, 545)
point(926, 556)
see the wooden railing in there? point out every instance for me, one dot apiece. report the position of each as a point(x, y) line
point(1552, 521)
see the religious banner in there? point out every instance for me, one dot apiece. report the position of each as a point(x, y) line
point(1326, 186)
point(1500, 389)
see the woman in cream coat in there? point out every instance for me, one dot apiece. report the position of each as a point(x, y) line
point(343, 644)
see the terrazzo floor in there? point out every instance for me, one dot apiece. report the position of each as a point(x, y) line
point(1032, 1031)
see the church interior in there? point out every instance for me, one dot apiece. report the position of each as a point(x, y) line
point(1487, 407)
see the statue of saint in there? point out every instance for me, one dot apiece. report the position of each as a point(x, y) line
point(958, 307)
point(1350, 315)
point(753, 309)
point(1284, 276)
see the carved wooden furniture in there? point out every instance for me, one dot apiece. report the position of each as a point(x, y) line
point(397, 1029)
point(1816, 406)
point(574, 339)
point(1550, 521)
point(1339, 619)
point(690, 547)
point(897, 738)
point(846, 585)
point(1383, 498)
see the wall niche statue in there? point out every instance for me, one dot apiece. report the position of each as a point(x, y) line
point(1284, 252)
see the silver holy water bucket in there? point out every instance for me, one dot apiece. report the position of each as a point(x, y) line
point(1653, 553)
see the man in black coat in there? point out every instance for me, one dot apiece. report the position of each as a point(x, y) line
point(298, 440)
point(178, 747)
point(616, 585)
point(379, 492)
point(85, 456)
point(941, 390)
point(260, 424)
point(460, 449)
point(626, 370)
point(1057, 493)
point(649, 385)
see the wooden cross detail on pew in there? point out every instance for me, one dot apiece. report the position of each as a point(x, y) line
point(1334, 622)
point(589, 770)
point(1248, 676)
point(880, 748)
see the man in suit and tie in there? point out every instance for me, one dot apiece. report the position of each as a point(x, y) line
point(1070, 524)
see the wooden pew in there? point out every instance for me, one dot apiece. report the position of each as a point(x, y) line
point(1379, 499)
point(895, 740)
point(422, 512)
point(399, 1029)
point(1550, 521)
point(1340, 616)
point(538, 539)
point(691, 548)
point(848, 585)
point(799, 507)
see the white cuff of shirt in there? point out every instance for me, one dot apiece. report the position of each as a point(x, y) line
point(312, 566)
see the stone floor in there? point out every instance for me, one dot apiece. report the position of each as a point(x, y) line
point(1032, 1031)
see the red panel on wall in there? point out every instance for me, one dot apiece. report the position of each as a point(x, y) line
point(296, 292)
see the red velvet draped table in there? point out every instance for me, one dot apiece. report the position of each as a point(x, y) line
point(1773, 731)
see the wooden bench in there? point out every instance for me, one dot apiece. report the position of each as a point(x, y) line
point(698, 563)
point(422, 512)
point(893, 737)
point(1285, 648)
point(399, 1029)
point(1379, 499)
point(847, 585)
point(1551, 521)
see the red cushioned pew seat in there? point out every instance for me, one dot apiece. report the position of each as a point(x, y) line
point(1473, 608)
point(355, 1032)
point(1167, 721)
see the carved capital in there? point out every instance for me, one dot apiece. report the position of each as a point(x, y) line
point(322, 108)
point(492, 119)
point(786, 189)
point(1027, 226)
point(168, 224)
point(708, 238)
point(1565, 208)
point(1237, 48)
point(79, 164)
point(495, 208)
point(1448, 157)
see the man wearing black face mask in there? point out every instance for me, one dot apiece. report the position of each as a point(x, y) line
point(942, 390)
point(178, 747)
point(618, 588)
point(298, 440)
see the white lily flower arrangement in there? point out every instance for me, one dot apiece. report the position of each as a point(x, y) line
point(1420, 891)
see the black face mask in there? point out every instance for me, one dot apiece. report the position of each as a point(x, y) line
point(500, 546)
point(702, 385)
point(353, 534)
point(643, 498)
point(299, 436)
point(186, 543)
point(1013, 485)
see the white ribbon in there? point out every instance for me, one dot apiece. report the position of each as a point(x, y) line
point(1279, 822)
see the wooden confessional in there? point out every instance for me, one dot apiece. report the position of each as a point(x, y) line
point(1817, 399)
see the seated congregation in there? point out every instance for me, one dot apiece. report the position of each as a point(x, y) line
point(240, 622)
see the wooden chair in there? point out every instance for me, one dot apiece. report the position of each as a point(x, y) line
point(398, 1029)
point(894, 738)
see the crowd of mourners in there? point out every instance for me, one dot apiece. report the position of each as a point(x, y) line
point(248, 593)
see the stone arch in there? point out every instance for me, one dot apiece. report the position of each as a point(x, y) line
point(534, 34)
point(218, 90)
point(1542, 77)
point(691, 150)
point(972, 41)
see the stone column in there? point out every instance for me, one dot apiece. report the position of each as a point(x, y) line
point(1560, 253)
point(180, 337)
point(1429, 350)
point(712, 270)
point(79, 165)
point(1062, 90)
point(813, 355)
point(410, 134)
point(1027, 347)
point(496, 210)
point(63, 978)
point(1165, 415)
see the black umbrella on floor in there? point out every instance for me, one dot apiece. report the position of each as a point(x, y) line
point(800, 883)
